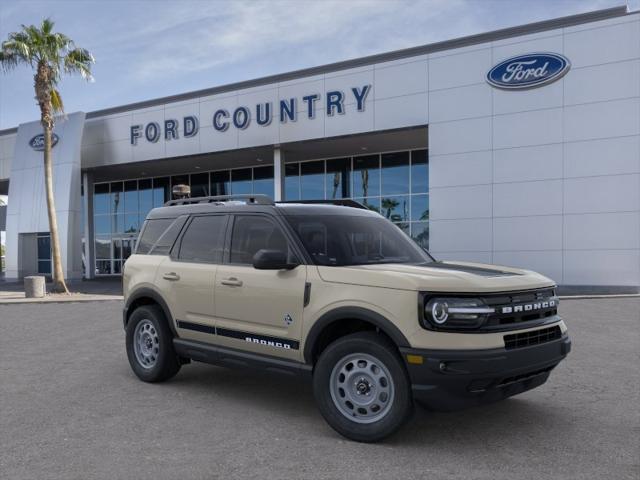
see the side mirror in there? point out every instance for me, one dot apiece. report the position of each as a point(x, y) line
point(272, 260)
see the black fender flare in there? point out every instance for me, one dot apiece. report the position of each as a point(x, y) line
point(357, 313)
point(147, 292)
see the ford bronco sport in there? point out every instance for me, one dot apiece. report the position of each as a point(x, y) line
point(337, 293)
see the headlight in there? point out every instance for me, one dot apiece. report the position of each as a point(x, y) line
point(456, 312)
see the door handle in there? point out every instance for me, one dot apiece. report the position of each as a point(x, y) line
point(173, 276)
point(231, 282)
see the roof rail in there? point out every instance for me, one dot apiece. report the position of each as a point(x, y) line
point(257, 199)
point(341, 202)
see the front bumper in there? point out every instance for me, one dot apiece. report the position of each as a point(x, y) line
point(453, 379)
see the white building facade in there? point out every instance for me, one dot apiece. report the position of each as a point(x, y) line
point(518, 147)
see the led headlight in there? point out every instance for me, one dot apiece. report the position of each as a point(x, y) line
point(439, 311)
point(456, 312)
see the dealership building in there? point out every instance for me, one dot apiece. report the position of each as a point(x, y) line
point(518, 147)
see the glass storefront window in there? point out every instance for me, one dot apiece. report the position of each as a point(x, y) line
point(102, 224)
point(338, 178)
point(220, 183)
point(117, 223)
point(312, 180)
point(160, 191)
point(419, 171)
point(395, 173)
point(394, 184)
point(103, 267)
point(419, 207)
point(263, 181)
point(395, 208)
point(200, 185)
point(127, 247)
point(145, 196)
point(117, 203)
point(241, 181)
point(292, 181)
point(103, 246)
point(366, 176)
point(131, 203)
point(116, 245)
point(131, 223)
point(101, 198)
point(420, 233)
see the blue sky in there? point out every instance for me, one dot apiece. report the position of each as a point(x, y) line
point(148, 49)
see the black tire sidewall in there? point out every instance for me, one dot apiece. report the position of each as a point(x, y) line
point(379, 347)
point(167, 364)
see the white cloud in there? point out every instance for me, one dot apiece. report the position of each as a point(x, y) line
point(244, 30)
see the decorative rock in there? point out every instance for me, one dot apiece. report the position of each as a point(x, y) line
point(34, 287)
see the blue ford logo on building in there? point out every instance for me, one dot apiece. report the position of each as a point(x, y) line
point(37, 142)
point(528, 71)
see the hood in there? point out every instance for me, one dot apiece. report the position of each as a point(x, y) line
point(458, 277)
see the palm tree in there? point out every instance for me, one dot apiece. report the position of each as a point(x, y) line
point(50, 55)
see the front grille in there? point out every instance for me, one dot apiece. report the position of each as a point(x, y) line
point(535, 337)
point(500, 320)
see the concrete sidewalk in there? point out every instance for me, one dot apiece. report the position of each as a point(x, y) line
point(81, 291)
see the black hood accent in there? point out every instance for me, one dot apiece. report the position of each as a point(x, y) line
point(483, 272)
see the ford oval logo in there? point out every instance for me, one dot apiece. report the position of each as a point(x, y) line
point(37, 142)
point(528, 71)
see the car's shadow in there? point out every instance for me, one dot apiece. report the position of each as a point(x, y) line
point(509, 421)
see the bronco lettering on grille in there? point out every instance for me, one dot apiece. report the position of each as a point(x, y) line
point(529, 307)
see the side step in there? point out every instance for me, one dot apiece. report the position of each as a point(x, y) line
point(228, 357)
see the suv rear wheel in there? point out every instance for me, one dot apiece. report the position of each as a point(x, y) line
point(361, 387)
point(150, 345)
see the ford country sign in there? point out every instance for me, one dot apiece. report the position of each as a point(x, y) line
point(528, 71)
point(37, 142)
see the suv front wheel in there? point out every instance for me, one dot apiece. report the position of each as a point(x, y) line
point(361, 387)
point(150, 345)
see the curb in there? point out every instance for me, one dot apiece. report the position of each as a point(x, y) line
point(586, 297)
point(103, 298)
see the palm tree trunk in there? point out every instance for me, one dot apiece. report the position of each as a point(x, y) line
point(42, 86)
point(59, 284)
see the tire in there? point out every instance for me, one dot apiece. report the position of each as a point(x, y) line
point(363, 370)
point(152, 356)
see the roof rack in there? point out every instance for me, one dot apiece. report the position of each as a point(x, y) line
point(257, 199)
point(340, 202)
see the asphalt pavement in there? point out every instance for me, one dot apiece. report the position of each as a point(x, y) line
point(70, 408)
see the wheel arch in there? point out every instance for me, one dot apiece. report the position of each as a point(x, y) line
point(147, 296)
point(329, 322)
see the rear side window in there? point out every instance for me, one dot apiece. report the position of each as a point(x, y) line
point(203, 241)
point(159, 235)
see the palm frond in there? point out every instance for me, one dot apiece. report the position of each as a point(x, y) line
point(56, 101)
point(47, 26)
point(20, 46)
point(79, 60)
point(8, 60)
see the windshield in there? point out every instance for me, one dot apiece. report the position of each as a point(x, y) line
point(342, 240)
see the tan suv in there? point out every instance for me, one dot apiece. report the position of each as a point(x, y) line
point(338, 294)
